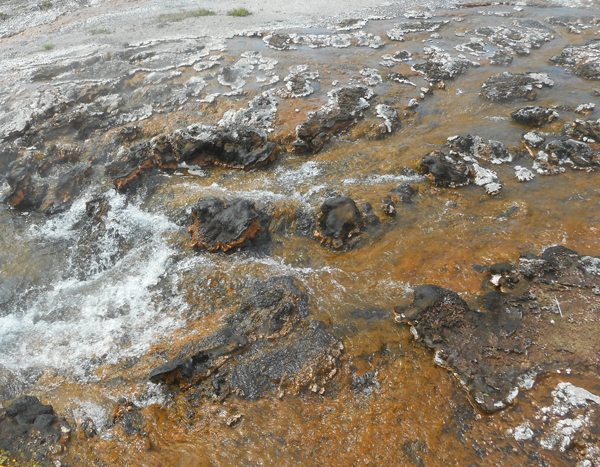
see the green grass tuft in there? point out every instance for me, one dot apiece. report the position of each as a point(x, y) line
point(205, 12)
point(48, 46)
point(47, 4)
point(100, 31)
point(184, 14)
point(238, 12)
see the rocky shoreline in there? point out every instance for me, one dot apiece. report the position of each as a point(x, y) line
point(204, 240)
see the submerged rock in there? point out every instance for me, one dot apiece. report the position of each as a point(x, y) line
point(500, 58)
point(534, 116)
point(344, 107)
point(220, 226)
point(534, 321)
point(30, 428)
point(508, 86)
point(270, 345)
point(339, 222)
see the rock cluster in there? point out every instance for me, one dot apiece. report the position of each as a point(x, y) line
point(584, 59)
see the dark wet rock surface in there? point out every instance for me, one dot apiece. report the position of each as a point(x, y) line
point(30, 428)
point(224, 226)
point(269, 346)
point(534, 116)
point(339, 223)
point(509, 87)
point(570, 153)
point(445, 171)
point(532, 319)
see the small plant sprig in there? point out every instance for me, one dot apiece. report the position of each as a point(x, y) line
point(239, 12)
point(183, 14)
point(48, 46)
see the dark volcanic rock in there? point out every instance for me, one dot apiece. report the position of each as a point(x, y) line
point(30, 428)
point(220, 226)
point(533, 321)
point(572, 153)
point(47, 181)
point(338, 222)
point(534, 115)
point(440, 68)
point(344, 107)
point(235, 146)
point(507, 86)
point(446, 171)
point(268, 345)
point(473, 146)
point(583, 59)
point(501, 58)
point(588, 131)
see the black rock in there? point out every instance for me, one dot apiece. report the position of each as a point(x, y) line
point(445, 171)
point(534, 116)
point(30, 428)
point(220, 226)
point(492, 348)
point(572, 153)
point(339, 221)
point(508, 86)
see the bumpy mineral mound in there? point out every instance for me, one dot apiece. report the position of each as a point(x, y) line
point(583, 59)
point(234, 146)
point(269, 345)
point(538, 317)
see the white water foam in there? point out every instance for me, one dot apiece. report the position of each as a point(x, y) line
point(74, 324)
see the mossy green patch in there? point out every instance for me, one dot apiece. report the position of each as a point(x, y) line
point(239, 12)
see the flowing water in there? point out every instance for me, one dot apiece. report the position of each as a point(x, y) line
point(90, 304)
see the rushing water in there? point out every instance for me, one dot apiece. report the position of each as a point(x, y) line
point(95, 297)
